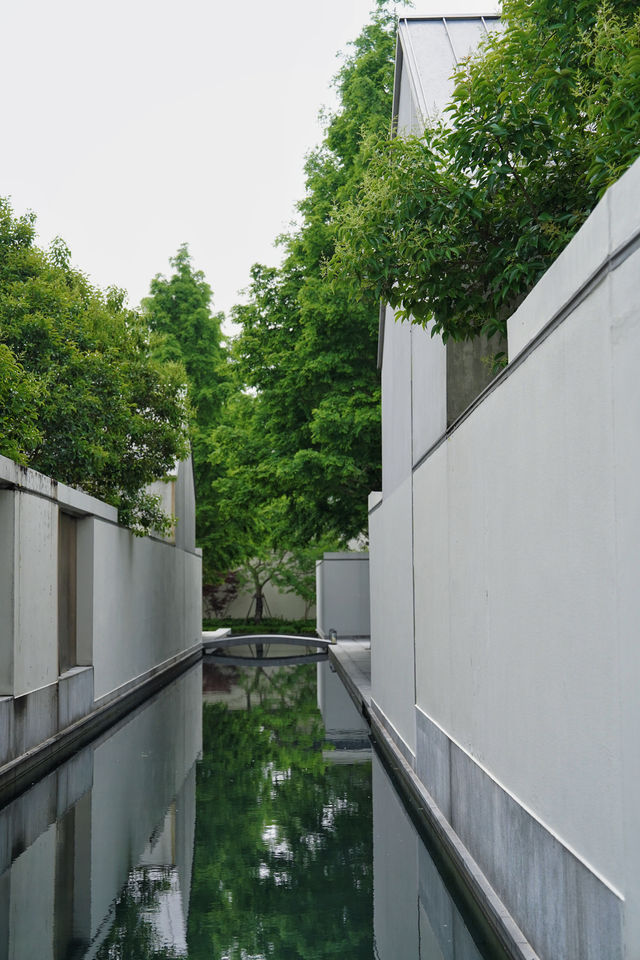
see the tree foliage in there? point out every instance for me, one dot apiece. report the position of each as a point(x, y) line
point(178, 309)
point(83, 399)
point(306, 354)
point(283, 843)
point(453, 228)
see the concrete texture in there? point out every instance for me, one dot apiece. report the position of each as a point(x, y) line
point(131, 612)
point(563, 908)
point(396, 405)
point(75, 695)
point(433, 761)
point(428, 391)
point(342, 593)
point(35, 718)
point(6, 729)
point(393, 672)
point(35, 622)
point(519, 578)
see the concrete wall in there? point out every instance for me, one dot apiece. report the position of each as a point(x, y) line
point(137, 605)
point(523, 550)
point(288, 606)
point(342, 593)
point(392, 651)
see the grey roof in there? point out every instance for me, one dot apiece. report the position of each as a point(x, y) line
point(427, 52)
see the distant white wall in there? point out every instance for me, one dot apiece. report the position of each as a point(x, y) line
point(342, 593)
point(288, 606)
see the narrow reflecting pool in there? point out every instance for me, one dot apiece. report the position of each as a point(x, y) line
point(214, 822)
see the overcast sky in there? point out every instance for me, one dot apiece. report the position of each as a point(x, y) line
point(134, 126)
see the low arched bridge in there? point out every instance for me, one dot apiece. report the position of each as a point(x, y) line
point(264, 649)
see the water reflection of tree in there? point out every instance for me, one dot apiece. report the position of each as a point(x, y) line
point(131, 936)
point(283, 853)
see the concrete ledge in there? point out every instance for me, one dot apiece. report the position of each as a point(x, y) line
point(40, 759)
point(75, 695)
point(14, 476)
point(35, 718)
point(610, 227)
point(393, 734)
point(463, 869)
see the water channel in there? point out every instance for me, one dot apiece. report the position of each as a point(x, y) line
point(216, 822)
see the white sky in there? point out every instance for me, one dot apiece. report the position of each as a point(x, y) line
point(132, 126)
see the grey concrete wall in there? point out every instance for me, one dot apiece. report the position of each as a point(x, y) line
point(146, 605)
point(289, 606)
point(524, 563)
point(137, 608)
point(396, 404)
point(342, 592)
point(391, 575)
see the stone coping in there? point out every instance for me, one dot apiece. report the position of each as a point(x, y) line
point(15, 477)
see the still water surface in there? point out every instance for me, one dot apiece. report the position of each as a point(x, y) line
point(214, 823)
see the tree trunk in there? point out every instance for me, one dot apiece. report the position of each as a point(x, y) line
point(259, 598)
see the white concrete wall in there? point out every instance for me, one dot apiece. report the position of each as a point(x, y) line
point(342, 591)
point(523, 531)
point(396, 404)
point(138, 598)
point(391, 576)
point(527, 528)
point(429, 390)
point(289, 606)
point(146, 605)
point(29, 548)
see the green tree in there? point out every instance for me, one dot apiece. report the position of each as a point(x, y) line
point(178, 309)
point(85, 401)
point(307, 350)
point(455, 227)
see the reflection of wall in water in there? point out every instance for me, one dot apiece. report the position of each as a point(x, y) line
point(77, 834)
point(344, 726)
point(413, 914)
